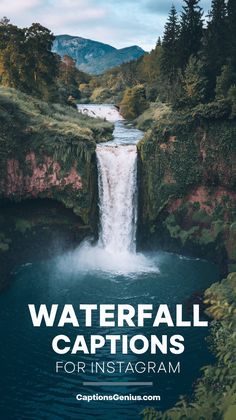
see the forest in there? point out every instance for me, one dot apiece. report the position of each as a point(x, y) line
point(28, 64)
point(193, 65)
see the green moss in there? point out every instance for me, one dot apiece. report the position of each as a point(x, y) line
point(177, 232)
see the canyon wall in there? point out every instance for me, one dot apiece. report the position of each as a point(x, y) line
point(187, 181)
point(42, 176)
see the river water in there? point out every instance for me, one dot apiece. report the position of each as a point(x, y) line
point(109, 272)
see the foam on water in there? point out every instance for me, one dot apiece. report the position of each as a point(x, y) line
point(106, 112)
point(92, 259)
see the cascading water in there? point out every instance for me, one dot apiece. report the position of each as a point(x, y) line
point(117, 184)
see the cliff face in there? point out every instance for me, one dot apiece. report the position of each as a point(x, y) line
point(188, 188)
point(41, 176)
point(48, 151)
point(47, 158)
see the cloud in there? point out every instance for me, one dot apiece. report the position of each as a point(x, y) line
point(121, 24)
point(7, 7)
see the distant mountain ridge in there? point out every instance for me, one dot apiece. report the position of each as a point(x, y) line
point(94, 57)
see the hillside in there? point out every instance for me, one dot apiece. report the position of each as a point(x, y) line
point(94, 57)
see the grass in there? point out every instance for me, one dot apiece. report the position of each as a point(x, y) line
point(33, 115)
point(153, 114)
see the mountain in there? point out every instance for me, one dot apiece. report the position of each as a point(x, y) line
point(94, 57)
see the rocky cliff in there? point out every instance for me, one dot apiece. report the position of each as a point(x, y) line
point(47, 151)
point(47, 157)
point(188, 187)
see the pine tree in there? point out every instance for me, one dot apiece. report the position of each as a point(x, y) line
point(158, 42)
point(191, 31)
point(170, 54)
point(215, 43)
point(232, 31)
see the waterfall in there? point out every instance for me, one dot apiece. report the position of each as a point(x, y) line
point(117, 186)
point(115, 251)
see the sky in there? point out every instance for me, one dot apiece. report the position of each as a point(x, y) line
point(120, 23)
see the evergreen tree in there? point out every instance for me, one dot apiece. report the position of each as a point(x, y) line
point(191, 31)
point(232, 31)
point(215, 43)
point(170, 53)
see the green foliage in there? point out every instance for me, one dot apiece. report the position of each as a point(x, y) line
point(170, 54)
point(225, 81)
point(69, 79)
point(111, 86)
point(26, 60)
point(191, 31)
point(191, 67)
point(27, 63)
point(214, 396)
point(156, 111)
point(215, 48)
point(134, 102)
point(231, 6)
point(195, 82)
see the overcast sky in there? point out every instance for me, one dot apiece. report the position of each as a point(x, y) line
point(120, 23)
